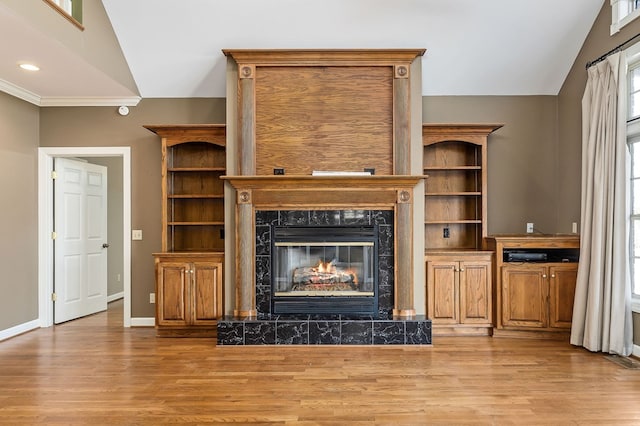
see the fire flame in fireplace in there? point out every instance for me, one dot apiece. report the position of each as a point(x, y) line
point(326, 267)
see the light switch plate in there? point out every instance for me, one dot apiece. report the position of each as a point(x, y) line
point(136, 234)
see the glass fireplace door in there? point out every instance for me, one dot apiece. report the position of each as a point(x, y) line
point(318, 267)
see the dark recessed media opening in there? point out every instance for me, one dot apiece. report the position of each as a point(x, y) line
point(533, 255)
point(325, 270)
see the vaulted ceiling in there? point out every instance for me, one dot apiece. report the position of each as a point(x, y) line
point(173, 48)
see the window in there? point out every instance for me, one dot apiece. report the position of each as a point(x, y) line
point(634, 148)
point(70, 9)
point(633, 141)
point(623, 12)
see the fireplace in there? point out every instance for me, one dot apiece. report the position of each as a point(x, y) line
point(324, 270)
point(337, 206)
point(356, 249)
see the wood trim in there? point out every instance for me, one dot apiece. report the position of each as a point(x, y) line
point(401, 126)
point(474, 133)
point(179, 133)
point(247, 125)
point(325, 57)
point(306, 181)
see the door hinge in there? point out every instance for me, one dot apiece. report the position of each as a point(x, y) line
point(54, 174)
point(54, 235)
point(54, 297)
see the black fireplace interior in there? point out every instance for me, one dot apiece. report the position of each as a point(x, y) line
point(341, 227)
point(324, 270)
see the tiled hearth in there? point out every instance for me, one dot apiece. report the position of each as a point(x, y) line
point(336, 330)
point(332, 329)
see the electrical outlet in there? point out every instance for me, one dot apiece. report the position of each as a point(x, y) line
point(136, 234)
point(445, 232)
point(574, 227)
point(152, 298)
point(529, 227)
point(118, 278)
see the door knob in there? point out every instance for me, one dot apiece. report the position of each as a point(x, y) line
point(105, 245)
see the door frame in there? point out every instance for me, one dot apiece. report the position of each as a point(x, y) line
point(45, 223)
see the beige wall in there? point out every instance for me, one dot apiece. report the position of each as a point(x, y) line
point(19, 213)
point(521, 168)
point(102, 126)
point(522, 156)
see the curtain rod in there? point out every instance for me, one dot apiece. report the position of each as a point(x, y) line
point(612, 51)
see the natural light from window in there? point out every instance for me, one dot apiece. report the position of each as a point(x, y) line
point(623, 12)
point(70, 9)
point(64, 5)
point(633, 141)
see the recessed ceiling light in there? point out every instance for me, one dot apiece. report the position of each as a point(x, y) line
point(29, 67)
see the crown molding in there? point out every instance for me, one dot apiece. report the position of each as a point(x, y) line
point(55, 101)
point(19, 92)
point(51, 101)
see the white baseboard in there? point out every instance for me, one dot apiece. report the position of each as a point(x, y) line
point(636, 351)
point(19, 329)
point(143, 322)
point(115, 296)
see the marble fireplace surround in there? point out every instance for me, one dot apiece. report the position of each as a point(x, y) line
point(387, 197)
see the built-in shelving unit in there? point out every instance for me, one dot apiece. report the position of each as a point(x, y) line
point(189, 268)
point(194, 193)
point(458, 269)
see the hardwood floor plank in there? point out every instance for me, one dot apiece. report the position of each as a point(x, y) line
point(93, 371)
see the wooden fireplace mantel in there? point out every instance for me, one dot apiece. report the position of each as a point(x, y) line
point(304, 191)
point(275, 192)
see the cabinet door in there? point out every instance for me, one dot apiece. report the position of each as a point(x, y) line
point(206, 294)
point(171, 306)
point(562, 287)
point(442, 292)
point(475, 293)
point(524, 296)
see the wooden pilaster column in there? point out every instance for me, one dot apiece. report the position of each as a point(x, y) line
point(403, 303)
point(245, 256)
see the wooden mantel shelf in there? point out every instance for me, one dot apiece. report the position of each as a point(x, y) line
point(307, 181)
point(323, 56)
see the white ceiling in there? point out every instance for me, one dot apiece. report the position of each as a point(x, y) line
point(488, 47)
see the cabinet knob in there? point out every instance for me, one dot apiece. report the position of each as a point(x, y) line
point(461, 269)
point(553, 275)
point(544, 275)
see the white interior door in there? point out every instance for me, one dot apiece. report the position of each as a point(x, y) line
point(80, 246)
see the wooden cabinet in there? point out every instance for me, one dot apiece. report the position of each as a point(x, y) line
point(189, 267)
point(189, 293)
point(459, 271)
point(535, 296)
point(459, 299)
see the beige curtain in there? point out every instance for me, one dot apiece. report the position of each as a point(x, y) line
point(602, 306)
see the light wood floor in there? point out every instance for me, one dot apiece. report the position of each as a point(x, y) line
point(93, 371)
